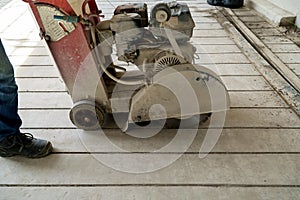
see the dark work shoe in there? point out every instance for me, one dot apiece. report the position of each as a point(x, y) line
point(24, 144)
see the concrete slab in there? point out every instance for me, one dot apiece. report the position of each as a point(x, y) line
point(36, 72)
point(253, 18)
point(210, 33)
point(259, 99)
point(235, 118)
point(289, 58)
point(152, 192)
point(266, 32)
point(241, 69)
point(188, 169)
point(40, 84)
point(213, 48)
point(246, 83)
point(31, 60)
point(221, 58)
point(256, 156)
point(208, 26)
point(213, 40)
point(295, 68)
point(241, 140)
point(46, 118)
point(258, 25)
point(30, 51)
point(271, 60)
point(36, 100)
point(283, 48)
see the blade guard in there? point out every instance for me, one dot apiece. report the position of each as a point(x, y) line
point(179, 91)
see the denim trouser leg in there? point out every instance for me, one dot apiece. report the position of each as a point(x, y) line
point(10, 121)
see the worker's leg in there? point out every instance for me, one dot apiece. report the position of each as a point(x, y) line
point(10, 121)
point(12, 141)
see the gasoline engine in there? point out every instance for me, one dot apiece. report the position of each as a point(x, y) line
point(164, 44)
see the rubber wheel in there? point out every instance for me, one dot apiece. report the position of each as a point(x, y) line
point(87, 115)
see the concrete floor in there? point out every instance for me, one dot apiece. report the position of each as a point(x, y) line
point(4, 2)
point(256, 157)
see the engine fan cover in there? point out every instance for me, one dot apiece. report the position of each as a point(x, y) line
point(166, 59)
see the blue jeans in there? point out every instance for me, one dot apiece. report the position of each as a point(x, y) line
point(10, 121)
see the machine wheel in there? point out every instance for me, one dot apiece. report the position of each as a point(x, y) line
point(87, 115)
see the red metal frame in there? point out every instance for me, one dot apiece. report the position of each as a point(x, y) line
point(70, 51)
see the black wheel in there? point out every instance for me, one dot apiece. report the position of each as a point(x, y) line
point(87, 115)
